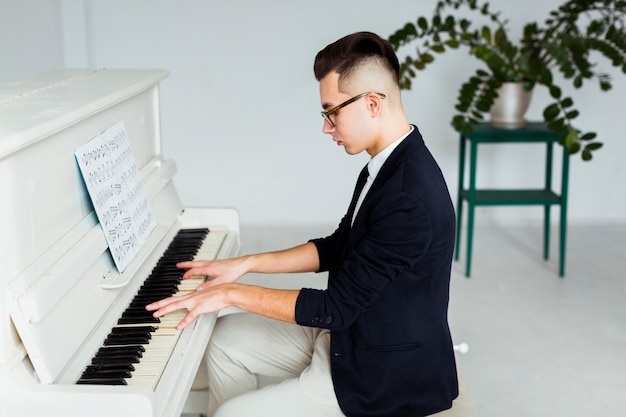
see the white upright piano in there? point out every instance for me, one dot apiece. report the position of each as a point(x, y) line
point(60, 292)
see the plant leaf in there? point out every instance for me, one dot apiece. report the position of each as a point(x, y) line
point(486, 34)
point(555, 91)
point(550, 112)
point(422, 23)
point(588, 136)
point(571, 139)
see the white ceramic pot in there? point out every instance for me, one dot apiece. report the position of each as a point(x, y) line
point(510, 106)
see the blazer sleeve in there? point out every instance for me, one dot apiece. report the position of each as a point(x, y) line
point(329, 248)
point(390, 238)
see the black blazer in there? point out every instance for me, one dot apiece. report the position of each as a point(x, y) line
point(387, 298)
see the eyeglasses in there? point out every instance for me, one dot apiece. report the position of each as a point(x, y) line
point(326, 114)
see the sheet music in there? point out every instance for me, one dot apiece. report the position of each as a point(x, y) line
point(112, 179)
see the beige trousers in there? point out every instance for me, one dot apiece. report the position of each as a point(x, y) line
point(244, 346)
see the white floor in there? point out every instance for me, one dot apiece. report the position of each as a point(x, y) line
point(539, 345)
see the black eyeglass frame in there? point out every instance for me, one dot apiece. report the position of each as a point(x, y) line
point(326, 114)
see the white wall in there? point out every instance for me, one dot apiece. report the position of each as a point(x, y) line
point(31, 37)
point(240, 111)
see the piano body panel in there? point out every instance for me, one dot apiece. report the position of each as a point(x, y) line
point(40, 127)
point(23, 396)
point(60, 293)
point(41, 171)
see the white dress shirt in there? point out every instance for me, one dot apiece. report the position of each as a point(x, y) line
point(374, 165)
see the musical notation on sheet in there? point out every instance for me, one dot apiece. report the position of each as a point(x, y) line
point(112, 179)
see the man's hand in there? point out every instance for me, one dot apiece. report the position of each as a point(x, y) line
point(221, 271)
point(196, 303)
point(221, 291)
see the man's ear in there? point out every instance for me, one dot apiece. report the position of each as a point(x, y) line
point(374, 104)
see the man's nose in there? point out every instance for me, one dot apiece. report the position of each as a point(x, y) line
point(327, 128)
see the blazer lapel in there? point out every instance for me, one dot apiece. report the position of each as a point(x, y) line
point(360, 183)
point(397, 156)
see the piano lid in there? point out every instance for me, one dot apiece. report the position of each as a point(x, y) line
point(54, 255)
point(34, 108)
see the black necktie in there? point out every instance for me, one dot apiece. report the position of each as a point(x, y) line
point(360, 183)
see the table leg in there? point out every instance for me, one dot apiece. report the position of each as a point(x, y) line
point(471, 202)
point(546, 216)
point(563, 220)
point(459, 199)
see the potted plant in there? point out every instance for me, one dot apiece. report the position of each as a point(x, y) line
point(564, 43)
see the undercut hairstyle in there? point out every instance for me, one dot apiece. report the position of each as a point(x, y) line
point(350, 53)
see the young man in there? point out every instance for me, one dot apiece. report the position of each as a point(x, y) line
point(376, 342)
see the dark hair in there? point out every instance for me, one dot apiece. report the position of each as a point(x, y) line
point(347, 53)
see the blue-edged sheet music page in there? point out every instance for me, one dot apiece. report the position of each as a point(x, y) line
point(116, 190)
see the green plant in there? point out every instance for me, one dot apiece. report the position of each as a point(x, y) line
point(564, 42)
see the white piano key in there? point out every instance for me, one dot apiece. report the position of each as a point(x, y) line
point(148, 381)
point(211, 245)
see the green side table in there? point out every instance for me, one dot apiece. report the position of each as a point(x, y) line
point(533, 132)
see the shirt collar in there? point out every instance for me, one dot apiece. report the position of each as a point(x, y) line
point(375, 163)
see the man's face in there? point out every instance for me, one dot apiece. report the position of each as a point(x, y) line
point(350, 122)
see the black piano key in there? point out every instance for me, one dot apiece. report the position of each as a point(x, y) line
point(121, 359)
point(130, 340)
point(106, 373)
point(136, 311)
point(154, 292)
point(100, 366)
point(138, 348)
point(126, 337)
point(141, 339)
point(117, 350)
point(147, 329)
point(160, 286)
point(151, 295)
point(130, 332)
point(134, 320)
point(102, 381)
point(134, 330)
point(137, 318)
point(165, 274)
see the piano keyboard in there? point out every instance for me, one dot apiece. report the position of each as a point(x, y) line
point(137, 349)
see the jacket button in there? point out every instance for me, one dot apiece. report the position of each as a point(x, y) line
point(329, 320)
